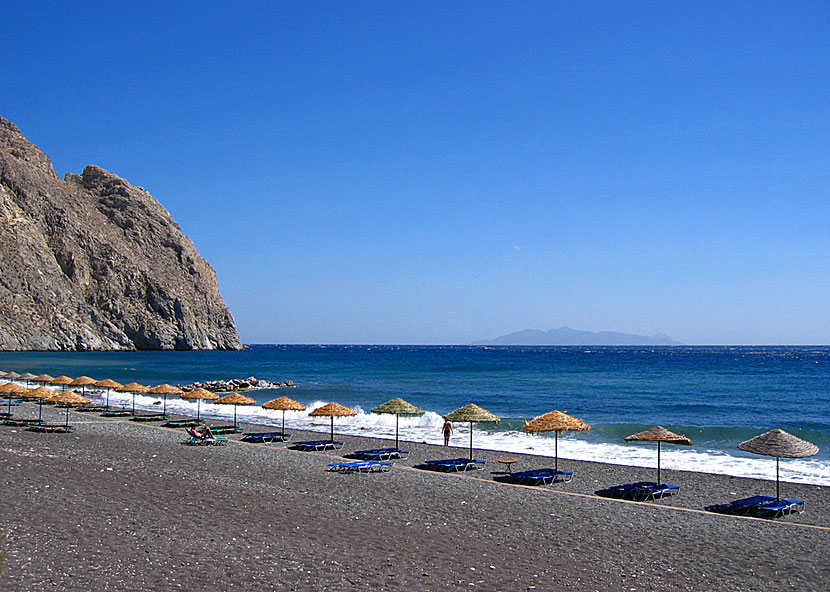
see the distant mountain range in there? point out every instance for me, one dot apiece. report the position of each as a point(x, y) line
point(568, 336)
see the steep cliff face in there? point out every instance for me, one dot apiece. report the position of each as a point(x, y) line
point(91, 262)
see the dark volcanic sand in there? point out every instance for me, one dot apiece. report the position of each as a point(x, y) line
point(123, 506)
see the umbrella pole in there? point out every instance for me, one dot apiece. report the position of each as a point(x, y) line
point(658, 462)
point(332, 428)
point(10, 404)
point(108, 398)
point(198, 409)
point(397, 418)
point(283, 423)
point(777, 482)
point(234, 417)
point(133, 403)
point(67, 418)
point(471, 440)
point(40, 412)
point(164, 408)
point(556, 451)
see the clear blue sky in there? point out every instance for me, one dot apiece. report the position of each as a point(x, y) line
point(413, 172)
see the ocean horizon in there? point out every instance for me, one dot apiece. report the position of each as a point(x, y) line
point(716, 395)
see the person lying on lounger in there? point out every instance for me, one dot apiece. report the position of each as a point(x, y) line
point(202, 432)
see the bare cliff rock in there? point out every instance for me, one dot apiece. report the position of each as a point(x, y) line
point(91, 262)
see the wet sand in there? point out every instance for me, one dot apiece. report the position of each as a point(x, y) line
point(119, 505)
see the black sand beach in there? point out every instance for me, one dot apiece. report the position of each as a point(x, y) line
point(123, 506)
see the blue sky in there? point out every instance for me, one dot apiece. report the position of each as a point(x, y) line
point(411, 172)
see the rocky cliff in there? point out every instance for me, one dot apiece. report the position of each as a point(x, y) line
point(91, 262)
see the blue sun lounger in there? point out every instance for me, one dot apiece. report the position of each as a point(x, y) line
point(627, 490)
point(51, 428)
point(454, 464)
point(226, 429)
point(382, 454)
point(214, 441)
point(265, 437)
point(362, 466)
point(747, 505)
point(777, 508)
point(317, 445)
point(653, 492)
point(539, 477)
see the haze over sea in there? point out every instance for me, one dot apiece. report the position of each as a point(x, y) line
point(718, 396)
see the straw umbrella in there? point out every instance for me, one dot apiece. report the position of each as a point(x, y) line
point(133, 388)
point(556, 422)
point(27, 376)
point(473, 414)
point(62, 381)
point(41, 393)
point(83, 382)
point(331, 410)
point(10, 389)
point(108, 384)
point(284, 404)
point(779, 443)
point(199, 394)
point(659, 434)
point(235, 399)
point(398, 407)
point(12, 376)
point(69, 398)
point(44, 378)
point(164, 390)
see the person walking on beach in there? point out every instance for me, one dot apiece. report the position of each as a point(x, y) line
point(447, 432)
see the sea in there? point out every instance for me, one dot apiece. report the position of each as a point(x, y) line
point(717, 396)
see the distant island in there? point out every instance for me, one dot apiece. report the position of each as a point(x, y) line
point(568, 336)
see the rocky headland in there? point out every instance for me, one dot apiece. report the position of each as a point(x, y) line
point(91, 262)
point(236, 384)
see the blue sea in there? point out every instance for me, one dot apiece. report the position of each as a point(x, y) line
point(717, 396)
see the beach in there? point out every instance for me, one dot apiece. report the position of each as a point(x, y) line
point(118, 505)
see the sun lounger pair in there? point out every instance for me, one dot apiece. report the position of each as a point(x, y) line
point(226, 429)
point(90, 409)
point(182, 423)
point(17, 422)
point(265, 437)
point(116, 413)
point(317, 445)
point(362, 466)
point(766, 506)
point(454, 465)
point(644, 491)
point(51, 428)
point(538, 477)
point(149, 417)
point(382, 454)
point(210, 441)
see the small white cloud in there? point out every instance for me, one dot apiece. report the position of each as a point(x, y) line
point(518, 247)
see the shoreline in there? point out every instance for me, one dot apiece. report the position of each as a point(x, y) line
point(123, 505)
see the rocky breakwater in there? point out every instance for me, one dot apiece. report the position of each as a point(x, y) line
point(91, 262)
point(236, 384)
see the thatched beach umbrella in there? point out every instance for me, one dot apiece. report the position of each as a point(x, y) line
point(62, 381)
point(332, 410)
point(11, 389)
point(83, 382)
point(199, 394)
point(235, 399)
point(473, 414)
point(133, 388)
point(398, 407)
point(28, 377)
point(164, 390)
point(41, 393)
point(107, 383)
point(779, 443)
point(43, 378)
point(284, 404)
point(69, 398)
point(12, 375)
point(659, 434)
point(556, 422)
